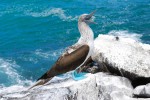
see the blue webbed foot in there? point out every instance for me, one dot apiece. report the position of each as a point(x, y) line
point(78, 76)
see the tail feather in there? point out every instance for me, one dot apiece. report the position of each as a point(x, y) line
point(43, 77)
point(40, 82)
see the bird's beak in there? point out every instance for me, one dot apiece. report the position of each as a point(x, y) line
point(89, 16)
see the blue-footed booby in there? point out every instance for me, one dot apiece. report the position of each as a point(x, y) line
point(74, 56)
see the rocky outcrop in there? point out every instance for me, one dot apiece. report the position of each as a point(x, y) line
point(124, 56)
point(100, 86)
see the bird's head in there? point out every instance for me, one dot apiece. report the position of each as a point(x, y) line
point(86, 17)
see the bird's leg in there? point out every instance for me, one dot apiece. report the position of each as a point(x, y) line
point(98, 67)
point(78, 70)
point(93, 69)
point(85, 65)
point(78, 74)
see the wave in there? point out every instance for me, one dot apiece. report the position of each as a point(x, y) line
point(49, 54)
point(5, 12)
point(58, 12)
point(7, 68)
point(54, 12)
point(30, 58)
point(18, 83)
point(39, 54)
point(19, 89)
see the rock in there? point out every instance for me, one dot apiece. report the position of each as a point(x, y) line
point(121, 96)
point(99, 86)
point(107, 84)
point(142, 91)
point(124, 56)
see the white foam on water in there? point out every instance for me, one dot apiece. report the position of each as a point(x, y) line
point(19, 90)
point(39, 54)
point(127, 53)
point(48, 54)
point(29, 59)
point(59, 12)
point(7, 67)
point(6, 12)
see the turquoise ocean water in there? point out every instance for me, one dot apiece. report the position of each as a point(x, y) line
point(33, 33)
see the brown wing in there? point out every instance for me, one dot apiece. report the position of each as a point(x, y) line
point(68, 62)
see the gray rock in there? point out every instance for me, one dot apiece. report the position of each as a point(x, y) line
point(125, 57)
point(108, 84)
point(99, 86)
point(121, 96)
point(142, 91)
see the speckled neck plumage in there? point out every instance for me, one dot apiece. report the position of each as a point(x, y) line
point(86, 33)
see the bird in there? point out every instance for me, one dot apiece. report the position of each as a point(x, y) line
point(75, 56)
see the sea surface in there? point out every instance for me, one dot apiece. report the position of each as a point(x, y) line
point(34, 33)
